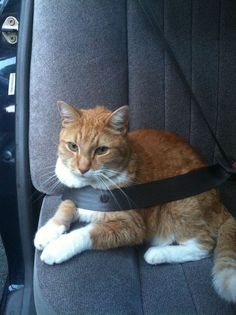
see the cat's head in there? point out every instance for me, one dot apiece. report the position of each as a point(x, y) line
point(92, 146)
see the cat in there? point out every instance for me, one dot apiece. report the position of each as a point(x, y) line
point(96, 149)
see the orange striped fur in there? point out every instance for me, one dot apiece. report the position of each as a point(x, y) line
point(146, 155)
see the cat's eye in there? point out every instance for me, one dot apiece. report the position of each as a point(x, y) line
point(101, 150)
point(72, 146)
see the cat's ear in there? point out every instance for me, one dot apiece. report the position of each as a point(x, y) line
point(69, 114)
point(118, 121)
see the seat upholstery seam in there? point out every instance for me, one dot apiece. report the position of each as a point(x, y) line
point(218, 80)
point(191, 75)
point(189, 289)
point(139, 279)
point(164, 67)
point(127, 54)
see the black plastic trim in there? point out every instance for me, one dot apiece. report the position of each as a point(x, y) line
point(22, 155)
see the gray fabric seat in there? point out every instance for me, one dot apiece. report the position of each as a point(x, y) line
point(120, 282)
point(105, 52)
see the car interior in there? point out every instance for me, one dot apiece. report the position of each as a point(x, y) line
point(90, 53)
point(3, 268)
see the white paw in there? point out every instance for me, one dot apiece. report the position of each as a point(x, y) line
point(154, 255)
point(58, 250)
point(67, 246)
point(49, 232)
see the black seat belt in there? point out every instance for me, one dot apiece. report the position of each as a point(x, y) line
point(158, 192)
point(149, 194)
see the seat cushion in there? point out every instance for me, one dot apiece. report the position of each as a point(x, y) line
point(119, 281)
point(91, 283)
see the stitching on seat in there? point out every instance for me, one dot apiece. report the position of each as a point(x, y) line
point(128, 99)
point(218, 80)
point(189, 289)
point(164, 68)
point(127, 52)
point(191, 77)
point(139, 277)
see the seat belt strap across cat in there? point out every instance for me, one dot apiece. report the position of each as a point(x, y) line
point(162, 191)
point(149, 194)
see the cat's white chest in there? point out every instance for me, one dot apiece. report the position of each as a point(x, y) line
point(69, 179)
point(88, 216)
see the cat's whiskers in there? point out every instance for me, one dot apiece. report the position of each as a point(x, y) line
point(111, 171)
point(49, 167)
point(120, 189)
point(113, 196)
point(55, 186)
point(50, 180)
point(47, 174)
point(40, 196)
point(34, 194)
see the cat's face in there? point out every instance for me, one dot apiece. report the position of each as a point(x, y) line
point(93, 145)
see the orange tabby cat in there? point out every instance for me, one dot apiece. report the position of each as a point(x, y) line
point(96, 149)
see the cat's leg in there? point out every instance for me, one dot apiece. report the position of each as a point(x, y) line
point(57, 225)
point(190, 250)
point(115, 231)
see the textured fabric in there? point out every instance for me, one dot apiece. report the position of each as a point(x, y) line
point(180, 289)
point(78, 55)
point(89, 52)
point(120, 282)
point(108, 54)
point(3, 268)
point(197, 33)
point(95, 282)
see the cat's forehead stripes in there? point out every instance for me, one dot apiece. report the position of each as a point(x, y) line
point(92, 122)
point(96, 117)
point(88, 127)
point(85, 134)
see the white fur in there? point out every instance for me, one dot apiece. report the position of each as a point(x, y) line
point(122, 178)
point(225, 284)
point(57, 247)
point(89, 215)
point(70, 179)
point(67, 246)
point(67, 177)
point(159, 241)
point(47, 233)
point(187, 251)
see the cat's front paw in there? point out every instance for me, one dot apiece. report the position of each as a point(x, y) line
point(58, 251)
point(154, 256)
point(49, 232)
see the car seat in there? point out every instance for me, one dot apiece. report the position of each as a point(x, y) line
point(105, 52)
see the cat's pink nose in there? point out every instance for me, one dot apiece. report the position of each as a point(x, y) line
point(83, 170)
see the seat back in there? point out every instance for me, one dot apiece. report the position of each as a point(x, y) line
point(89, 53)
